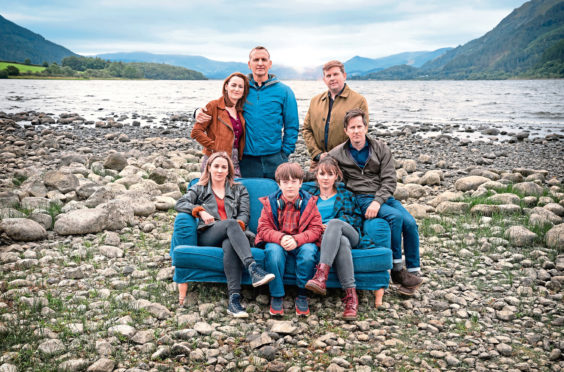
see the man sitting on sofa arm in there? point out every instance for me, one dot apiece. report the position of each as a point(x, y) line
point(369, 172)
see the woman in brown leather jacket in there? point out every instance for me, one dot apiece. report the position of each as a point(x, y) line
point(225, 131)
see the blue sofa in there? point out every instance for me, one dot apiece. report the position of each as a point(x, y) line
point(195, 263)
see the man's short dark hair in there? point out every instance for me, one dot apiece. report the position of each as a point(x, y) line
point(353, 114)
point(329, 65)
point(259, 47)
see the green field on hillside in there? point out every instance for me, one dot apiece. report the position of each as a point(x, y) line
point(21, 67)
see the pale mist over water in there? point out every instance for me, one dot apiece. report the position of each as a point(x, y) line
point(458, 108)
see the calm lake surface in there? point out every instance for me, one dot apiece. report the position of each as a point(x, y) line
point(463, 107)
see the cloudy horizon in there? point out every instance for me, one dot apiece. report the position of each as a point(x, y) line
point(296, 34)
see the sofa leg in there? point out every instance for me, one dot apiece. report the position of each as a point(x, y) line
point(182, 289)
point(378, 295)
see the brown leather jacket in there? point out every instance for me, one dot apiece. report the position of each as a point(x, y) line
point(217, 134)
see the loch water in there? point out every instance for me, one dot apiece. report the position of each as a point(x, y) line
point(458, 108)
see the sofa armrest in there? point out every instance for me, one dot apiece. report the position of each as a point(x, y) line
point(185, 231)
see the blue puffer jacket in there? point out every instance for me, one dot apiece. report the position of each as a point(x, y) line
point(271, 114)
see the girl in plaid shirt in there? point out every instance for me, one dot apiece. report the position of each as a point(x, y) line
point(342, 219)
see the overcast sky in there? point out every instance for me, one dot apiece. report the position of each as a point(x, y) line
point(297, 33)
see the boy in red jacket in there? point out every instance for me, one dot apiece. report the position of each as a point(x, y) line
point(290, 224)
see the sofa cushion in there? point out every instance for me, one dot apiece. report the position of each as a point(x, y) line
point(195, 263)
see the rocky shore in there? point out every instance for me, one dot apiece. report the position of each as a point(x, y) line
point(86, 276)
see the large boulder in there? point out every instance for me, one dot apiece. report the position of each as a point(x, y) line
point(86, 189)
point(159, 175)
point(32, 203)
point(520, 236)
point(8, 199)
point(141, 205)
point(506, 198)
point(22, 229)
point(64, 182)
point(528, 188)
point(119, 214)
point(485, 173)
point(401, 192)
point(547, 214)
point(148, 187)
point(469, 183)
point(410, 165)
point(417, 210)
point(431, 178)
point(100, 196)
point(415, 191)
point(164, 203)
point(81, 221)
point(69, 158)
point(35, 188)
point(555, 237)
point(445, 196)
point(449, 207)
point(555, 208)
point(115, 161)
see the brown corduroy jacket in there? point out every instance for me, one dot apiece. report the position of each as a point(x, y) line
point(217, 134)
point(314, 124)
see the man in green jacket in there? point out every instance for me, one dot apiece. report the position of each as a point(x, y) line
point(323, 124)
point(369, 172)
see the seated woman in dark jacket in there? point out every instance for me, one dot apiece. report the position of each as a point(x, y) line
point(222, 206)
point(342, 220)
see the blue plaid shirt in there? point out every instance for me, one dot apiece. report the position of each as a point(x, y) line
point(346, 209)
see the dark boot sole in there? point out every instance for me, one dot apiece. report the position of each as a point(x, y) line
point(316, 289)
point(350, 317)
point(407, 291)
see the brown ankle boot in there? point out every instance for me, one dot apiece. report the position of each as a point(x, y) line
point(351, 304)
point(317, 283)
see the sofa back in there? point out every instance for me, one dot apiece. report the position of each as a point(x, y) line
point(257, 188)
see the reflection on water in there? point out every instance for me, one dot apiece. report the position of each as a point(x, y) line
point(513, 106)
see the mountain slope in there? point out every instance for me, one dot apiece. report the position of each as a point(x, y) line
point(361, 65)
point(512, 48)
point(18, 44)
point(212, 69)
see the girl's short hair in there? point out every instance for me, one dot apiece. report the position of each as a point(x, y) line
point(328, 164)
point(230, 169)
point(287, 171)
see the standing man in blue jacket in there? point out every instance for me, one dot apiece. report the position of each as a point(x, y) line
point(271, 116)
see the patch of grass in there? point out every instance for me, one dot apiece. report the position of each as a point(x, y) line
point(19, 179)
point(54, 210)
point(99, 172)
point(22, 67)
point(483, 199)
point(509, 189)
point(23, 210)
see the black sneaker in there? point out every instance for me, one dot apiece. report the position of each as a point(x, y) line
point(258, 275)
point(234, 308)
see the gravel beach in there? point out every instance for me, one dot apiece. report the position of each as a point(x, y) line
point(86, 277)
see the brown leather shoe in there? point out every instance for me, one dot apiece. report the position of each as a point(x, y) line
point(317, 283)
point(406, 279)
point(351, 304)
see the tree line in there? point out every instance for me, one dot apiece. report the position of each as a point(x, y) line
point(98, 68)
